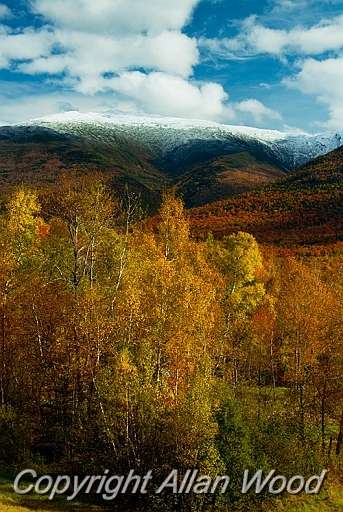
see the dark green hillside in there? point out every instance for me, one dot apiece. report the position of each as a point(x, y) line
point(303, 208)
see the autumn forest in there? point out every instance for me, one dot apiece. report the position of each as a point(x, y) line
point(126, 344)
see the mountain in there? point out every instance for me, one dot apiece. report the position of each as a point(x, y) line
point(37, 156)
point(205, 161)
point(223, 177)
point(178, 142)
point(303, 208)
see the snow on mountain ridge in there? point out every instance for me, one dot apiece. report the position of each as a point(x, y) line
point(118, 117)
point(168, 136)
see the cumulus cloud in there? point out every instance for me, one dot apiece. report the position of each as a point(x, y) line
point(88, 57)
point(135, 91)
point(323, 79)
point(28, 45)
point(313, 55)
point(86, 45)
point(255, 38)
point(257, 110)
point(20, 103)
point(135, 55)
point(118, 17)
point(107, 37)
point(173, 96)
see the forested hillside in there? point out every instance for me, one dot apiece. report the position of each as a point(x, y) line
point(40, 156)
point(223, 177)
point(125, 347)
point(303, 208)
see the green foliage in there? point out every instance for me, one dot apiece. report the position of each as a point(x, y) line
point(281, 441)
point(233, 442)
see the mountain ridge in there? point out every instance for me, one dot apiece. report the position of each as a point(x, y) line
point(170, 138)
point(203, 160)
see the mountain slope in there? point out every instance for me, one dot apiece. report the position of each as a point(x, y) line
point(205, 161)
point(38, 156)
point(303, 208)
point(178, 142)
point(223, 177)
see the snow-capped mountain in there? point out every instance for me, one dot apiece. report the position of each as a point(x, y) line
point(180, 141)
point(204, 161)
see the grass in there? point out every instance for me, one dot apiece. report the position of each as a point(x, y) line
point(12, 502)
point(329, 500)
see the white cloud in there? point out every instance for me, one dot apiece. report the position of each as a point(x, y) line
point(119, 17)
point(103, 48)
point(127, 54)
point(320, 46)
point(287, 6)
point(135, 91)
point(257, 110)
point(282, 6)
point(90, 56)
point(27, 45)
point(323, 79)
point(265, 85)
point(294, 130)
point(91, 42)
point(132, 92)
point(173, 96)
point(255, 38)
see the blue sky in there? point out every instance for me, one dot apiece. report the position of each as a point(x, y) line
point(270, 63)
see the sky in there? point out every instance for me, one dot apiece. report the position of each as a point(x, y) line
point(274, 64)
